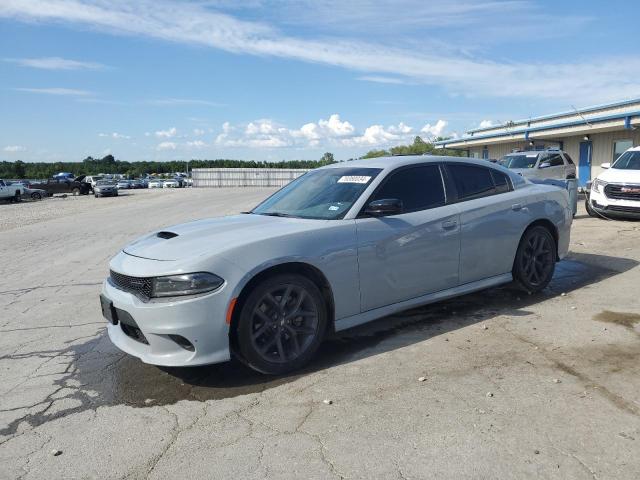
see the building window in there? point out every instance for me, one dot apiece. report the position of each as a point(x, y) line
point(485, 153)
point(621, 146)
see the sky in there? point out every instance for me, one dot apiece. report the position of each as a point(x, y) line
point(279, 80)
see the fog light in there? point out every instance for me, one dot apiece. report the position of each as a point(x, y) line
point(183, 342)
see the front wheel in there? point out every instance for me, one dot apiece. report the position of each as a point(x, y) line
point(589, 208)
point(75, 191)
point(535, 259)
point(281, 324)
point(36, 196)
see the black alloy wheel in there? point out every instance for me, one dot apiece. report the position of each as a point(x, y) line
point(281, 324)
point(535, 259)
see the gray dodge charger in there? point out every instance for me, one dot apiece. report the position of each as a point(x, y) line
point(338, 247)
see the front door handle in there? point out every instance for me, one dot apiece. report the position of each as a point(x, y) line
point(449, 224)
point(516, 206)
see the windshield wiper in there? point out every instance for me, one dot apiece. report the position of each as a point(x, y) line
point(278, 214)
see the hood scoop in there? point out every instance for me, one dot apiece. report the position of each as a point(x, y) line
point(166, 235)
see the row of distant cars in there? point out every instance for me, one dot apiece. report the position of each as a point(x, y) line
point(66, 184)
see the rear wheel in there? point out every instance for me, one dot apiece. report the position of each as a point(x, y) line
point(36, 196)
point(535, 259)
point(281, 324)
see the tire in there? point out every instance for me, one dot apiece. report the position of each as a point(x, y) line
point(36, 196)
point(96, 195)
point(535, 259)
point(587, 206)
point(271, 338)
point(75, 192)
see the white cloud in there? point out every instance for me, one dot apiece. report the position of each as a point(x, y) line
point(171, 132)
point(55, 63)
point(485, 124)
point(332, 132)
point(198, 132)
point(435, 130)
point(590, 80)
point(196, 144)
point(14, 148)
point(381, 79)
point(69, 92)
point(114, 135)
point(166, 146)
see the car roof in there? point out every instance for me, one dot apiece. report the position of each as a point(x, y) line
point(392, 162)
point(634, 149)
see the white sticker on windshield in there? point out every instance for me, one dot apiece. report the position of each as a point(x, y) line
point(354, 179)
point(333, 207)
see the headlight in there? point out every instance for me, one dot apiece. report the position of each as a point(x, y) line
point(187, 284)
point(597, 183)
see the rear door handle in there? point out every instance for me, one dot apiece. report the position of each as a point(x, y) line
point(516, 206)
point(449, 224)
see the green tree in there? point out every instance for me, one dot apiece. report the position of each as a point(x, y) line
point(327, 158)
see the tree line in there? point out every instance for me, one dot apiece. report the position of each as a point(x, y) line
point(418, 147)
point(109, 164)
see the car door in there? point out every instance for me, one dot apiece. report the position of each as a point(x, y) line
point(492, 217)
point(410, 254)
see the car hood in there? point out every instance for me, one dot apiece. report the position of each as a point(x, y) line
point(617, 175)
point(216, 235)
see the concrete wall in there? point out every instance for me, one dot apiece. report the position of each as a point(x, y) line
point(244, 177)
point(602, 147)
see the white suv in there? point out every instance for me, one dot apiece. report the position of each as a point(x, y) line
point(541, 164)
point(616, 191)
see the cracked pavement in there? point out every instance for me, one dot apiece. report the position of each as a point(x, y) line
point(517, 386)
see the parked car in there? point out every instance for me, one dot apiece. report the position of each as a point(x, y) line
point(34, 193)
point(136, 184)
point(105, 188)
point(62, 185)
point(554, 164)
point(123, 184)
point(616, 191)
point(335, 248)
point(10, 192)
point(92, 180)
point(171, 183)
point(156, 183)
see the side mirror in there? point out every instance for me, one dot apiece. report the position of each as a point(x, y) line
point(544, 165)
point(385, 206)
point(606, 165)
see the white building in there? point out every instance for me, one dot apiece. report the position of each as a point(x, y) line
point(591, 136)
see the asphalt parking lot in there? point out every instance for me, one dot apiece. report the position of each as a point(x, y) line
point(514, 386)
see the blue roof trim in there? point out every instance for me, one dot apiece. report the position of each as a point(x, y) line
point(562, 114)
point(555, 126)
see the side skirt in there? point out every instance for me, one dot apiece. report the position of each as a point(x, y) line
point(370, 315)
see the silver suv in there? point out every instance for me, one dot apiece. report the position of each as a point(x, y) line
point(540, 164)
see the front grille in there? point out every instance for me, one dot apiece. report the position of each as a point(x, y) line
point(622, 192)
point(618, 208)
point(139, 285)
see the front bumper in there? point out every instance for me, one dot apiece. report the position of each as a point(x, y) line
point(200, 319)
point(610, 207)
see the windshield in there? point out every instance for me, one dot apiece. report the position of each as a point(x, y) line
point(628, 161)
point(518, 161)
point(325, 194)
point(104, 182)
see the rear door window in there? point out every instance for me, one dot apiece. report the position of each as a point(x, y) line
point(418, 188)
point(471, 181)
